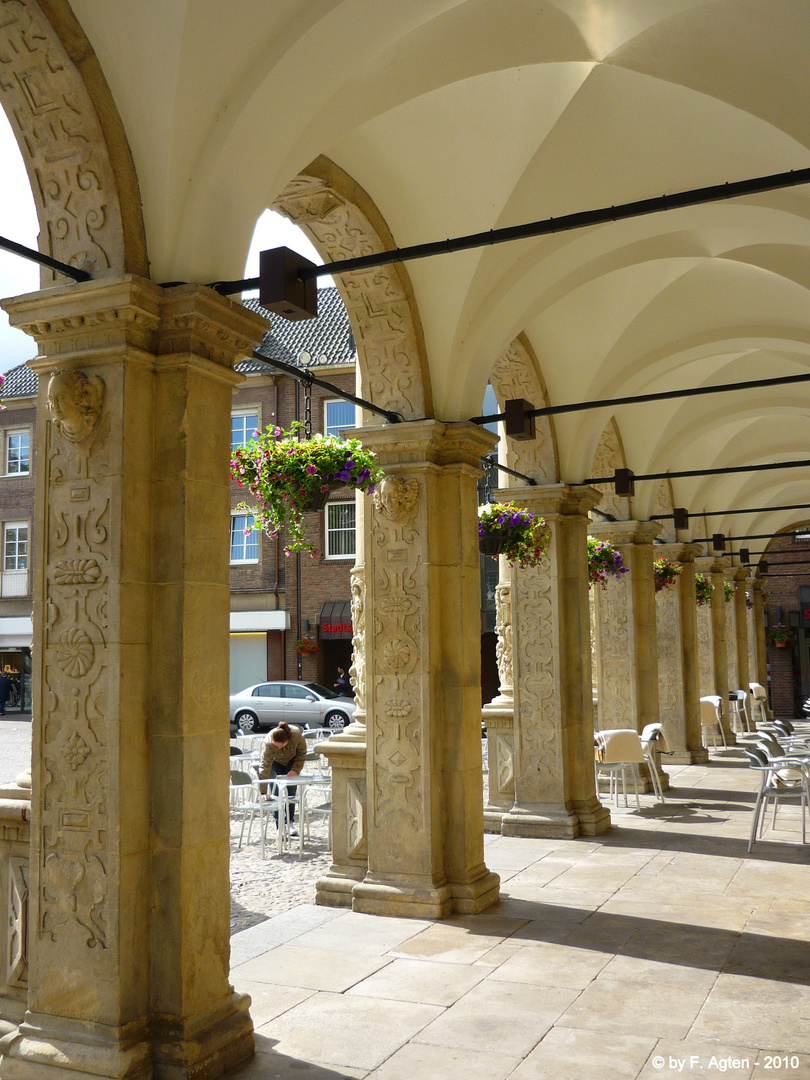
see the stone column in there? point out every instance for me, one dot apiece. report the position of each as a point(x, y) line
point(423, 675)
point(553, 730)
point(741, 629)
point(626, 643)
point(751, 633)
point(498, 715)
point(717, 574)
point(678, 684)
point(346, 753)
point(760, 674)
point(732, 654)
point(130, 906)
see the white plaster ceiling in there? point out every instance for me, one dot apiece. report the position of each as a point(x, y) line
point(462, 115)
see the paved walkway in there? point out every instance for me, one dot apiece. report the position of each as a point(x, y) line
point(659, 950)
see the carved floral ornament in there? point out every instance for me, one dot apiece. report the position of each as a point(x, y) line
point(75, 403)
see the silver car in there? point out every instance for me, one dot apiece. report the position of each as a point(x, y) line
point(262, 706)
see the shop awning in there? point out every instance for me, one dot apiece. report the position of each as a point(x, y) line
point(252, 622)
point(15, 633)
point(336, 619)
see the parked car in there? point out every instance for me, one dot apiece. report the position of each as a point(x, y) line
point(262, 706)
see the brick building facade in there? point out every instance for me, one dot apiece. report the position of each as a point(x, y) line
point(787, 594)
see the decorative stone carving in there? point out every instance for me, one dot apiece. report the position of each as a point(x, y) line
point(395, 498)
point(386, 326)
point(356, 817)
point(515, 375)
point(357, 671)
point(73, 179)
point(74, 402)
point(503, 630)
point(17, 940)
point(670, 666)
point(614, 652)
point(704, 641)
point(607, 459)
point(664, 505)
point(535, 691)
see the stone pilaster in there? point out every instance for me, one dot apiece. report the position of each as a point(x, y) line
point(760, 674)
point(554, 792)
point(626, 644)
point(498, 715)
point(346, 753)
point(425, 783)
point(732, 654)
point(678, 686)
point(128, 954)
point(741, 629)
point(716, 569)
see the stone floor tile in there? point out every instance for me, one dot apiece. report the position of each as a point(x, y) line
point(589, 899)
point(456, 942)
point(354, 1032)
point(622, 1006)
point(603, 933)
point(660, 974)
point(569, 1054)
point(309, 969)
point(506, 1018)
point(421, 980)
point(676, 943)
point(268, 1064)
point(279, 930)
point(770, 957)
point(695, 1060)
point(720, 915)
point(540, 873)
point(269, 1001)
point(420, 1060)
point(369, 935)
point(741, 1009)
point(547, 964)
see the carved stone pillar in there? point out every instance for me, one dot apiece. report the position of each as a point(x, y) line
point(15, 846)
point(751, 633)
point(741, 630)
point(678, 686)
point(760, 674)
point(498, 715)
point(346, 752)
point(129, 927)
point(626, 642)
point(425, 781)
point(732, 654)
point(553, 748)
point(719, 650)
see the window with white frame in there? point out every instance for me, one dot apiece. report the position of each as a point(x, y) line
point(15, 545)
point(243, 424)
point(244, 542)
point(18, 452)
point(337, 415)
point(340, 522)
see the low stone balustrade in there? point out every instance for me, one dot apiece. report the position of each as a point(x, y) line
point(15, 837)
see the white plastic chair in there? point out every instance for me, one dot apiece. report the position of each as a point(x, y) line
point(652, 739)
point(246, 796)
point(711, 710)
point(760, 704)
point(315, 762)
point(619, 749)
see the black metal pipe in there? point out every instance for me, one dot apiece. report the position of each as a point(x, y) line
point(747, 536)
point(723, 513)
point(709, 472)
point(44, 260)
point(489, 463)
point(546, 227)
point(305, 375)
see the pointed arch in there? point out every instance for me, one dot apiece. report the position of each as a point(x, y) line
point(610, 456)
point(516, 374)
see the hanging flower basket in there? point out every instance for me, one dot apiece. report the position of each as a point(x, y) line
point(666, 573)
point(728, 590)
point(506, 529)
point(288, 476)
point(781, 636)
point(604, 561)
point(749, 603)
point(704, 590)
point(305, 646)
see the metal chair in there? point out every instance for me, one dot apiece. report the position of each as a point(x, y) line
point(760, 703)
point(711, 711)
point(652, 739)
point(738, 711)
point(246, 796)
point(773, 785)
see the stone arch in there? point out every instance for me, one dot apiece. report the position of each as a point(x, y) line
point(665, 504)
point(516, 374)
point(343, 223)
point(609, 456)
point(72, 141)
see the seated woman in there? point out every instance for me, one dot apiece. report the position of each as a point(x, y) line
point(283, 754)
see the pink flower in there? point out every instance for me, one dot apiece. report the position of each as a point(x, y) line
point(311, 469)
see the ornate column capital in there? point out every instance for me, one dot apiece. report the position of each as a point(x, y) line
point(682, 553)
point(626, 532)
point(428, 442)
point(548, 499)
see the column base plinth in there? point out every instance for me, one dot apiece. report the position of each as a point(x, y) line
point(688, 757)
point(203, 1048)
point(402, 899)
point(541, 822)
point(493, 816)
point(594, 818)
point(474, 897)
point(335, 888)
point(57, 1048)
